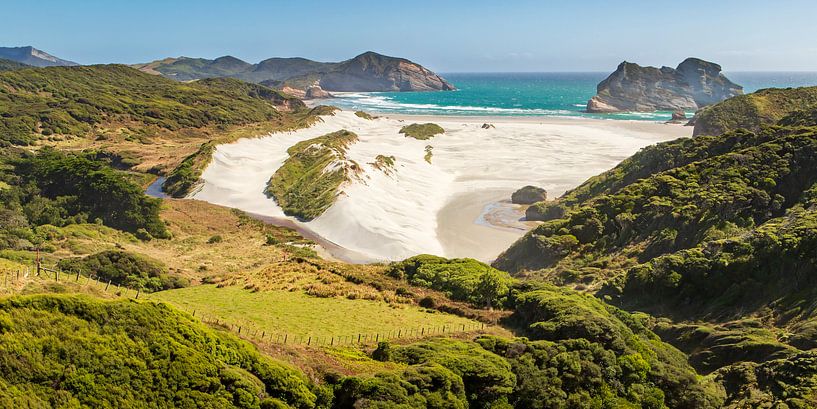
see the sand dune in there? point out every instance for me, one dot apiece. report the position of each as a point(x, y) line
point(451, 207)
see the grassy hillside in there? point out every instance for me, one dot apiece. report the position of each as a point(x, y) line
point(752, 111)
point(78, 101)
point(716, 235)
point(308, 181)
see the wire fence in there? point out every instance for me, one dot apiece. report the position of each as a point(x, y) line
point(340, 339)
point(14, 279)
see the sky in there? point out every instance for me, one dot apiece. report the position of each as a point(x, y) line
point(446, 36)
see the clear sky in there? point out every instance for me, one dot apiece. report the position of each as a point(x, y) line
point(447, 36)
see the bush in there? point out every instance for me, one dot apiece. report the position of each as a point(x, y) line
point(461, 279)
point(127, 269)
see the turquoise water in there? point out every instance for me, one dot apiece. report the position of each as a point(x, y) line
point(531, 94)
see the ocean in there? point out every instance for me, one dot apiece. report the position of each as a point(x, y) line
point(532, 94)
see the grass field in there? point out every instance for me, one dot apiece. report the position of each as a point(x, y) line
point(297, 314)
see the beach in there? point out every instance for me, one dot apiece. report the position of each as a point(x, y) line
point(455, 206)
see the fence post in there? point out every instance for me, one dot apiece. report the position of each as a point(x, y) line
point(285, 338)
point(358, 338)
point(239, 329)
point(106, 286)
point(138, 290)
point(310, 341)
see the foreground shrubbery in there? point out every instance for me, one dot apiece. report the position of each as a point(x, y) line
point(72, 351)
point(123, 268)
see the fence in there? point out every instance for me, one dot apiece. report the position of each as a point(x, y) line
point(356, 338)
point(16, 277)
point(23, 275)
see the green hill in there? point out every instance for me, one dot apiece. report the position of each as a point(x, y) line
point(752, 111)
point(80, 101)
point(717, 235)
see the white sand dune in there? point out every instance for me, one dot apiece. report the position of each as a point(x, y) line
point(438, 208)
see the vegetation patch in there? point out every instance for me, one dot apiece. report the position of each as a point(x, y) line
point(56, 189)
point(364, 115)
point(462, 279)
point(429, 153)
point(125, 269)
point(384, 163)
point(308, 182)
point(422, 131)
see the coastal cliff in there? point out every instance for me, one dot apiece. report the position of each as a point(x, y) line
point(366, 72)
point(695, 83)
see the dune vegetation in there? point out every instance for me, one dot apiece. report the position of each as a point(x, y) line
point(307, 183)
point(422, 131)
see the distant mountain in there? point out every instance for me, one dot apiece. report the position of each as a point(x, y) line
point(32, 56)
point(695, 83)
point(369, 71)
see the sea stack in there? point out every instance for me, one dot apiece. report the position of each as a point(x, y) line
point(695, 83)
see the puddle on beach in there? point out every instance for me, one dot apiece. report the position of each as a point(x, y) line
point(504, 215)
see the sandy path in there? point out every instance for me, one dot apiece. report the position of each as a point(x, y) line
point(445, 207)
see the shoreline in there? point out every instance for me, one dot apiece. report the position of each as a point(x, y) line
point(455, 206)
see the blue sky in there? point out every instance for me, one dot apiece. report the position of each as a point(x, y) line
point(447, 36)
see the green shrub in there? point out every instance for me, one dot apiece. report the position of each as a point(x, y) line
point(461, 279)
point(124, 268)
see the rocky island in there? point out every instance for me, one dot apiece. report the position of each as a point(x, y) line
point(695, 83)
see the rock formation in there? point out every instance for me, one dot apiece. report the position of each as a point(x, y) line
point(695, 83)
point(32, 56)
point(529, 195)
point(316, 92)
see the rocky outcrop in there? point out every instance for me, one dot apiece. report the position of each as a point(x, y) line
point(32, 56)
point(695, 83)
point(375, 72)
point(529, 195)
point(367, 72)
point(316, 92)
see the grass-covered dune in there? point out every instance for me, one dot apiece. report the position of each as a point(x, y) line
point(307, 183)
point(422, 131)
point(75, 351)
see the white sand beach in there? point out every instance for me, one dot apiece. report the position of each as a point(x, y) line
point(455, 206)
